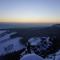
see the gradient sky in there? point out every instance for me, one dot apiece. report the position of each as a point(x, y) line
point(30, 10)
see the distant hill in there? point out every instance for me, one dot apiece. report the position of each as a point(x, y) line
point(32, 29)
point(22, 25)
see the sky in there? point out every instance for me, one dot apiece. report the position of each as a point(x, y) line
point(30, 11)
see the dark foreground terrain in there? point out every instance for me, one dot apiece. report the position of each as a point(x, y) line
point(52, 31)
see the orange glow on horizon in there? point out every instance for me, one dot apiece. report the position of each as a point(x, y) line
point(30, 20)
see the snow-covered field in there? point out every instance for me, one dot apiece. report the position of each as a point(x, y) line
point(8, 45)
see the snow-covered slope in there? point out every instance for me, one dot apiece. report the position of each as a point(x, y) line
point(8, 45)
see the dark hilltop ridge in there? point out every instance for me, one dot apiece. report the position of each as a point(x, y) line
point(50, 29)
point(32, 29)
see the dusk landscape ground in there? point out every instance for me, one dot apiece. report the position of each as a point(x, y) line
point(9, 35)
